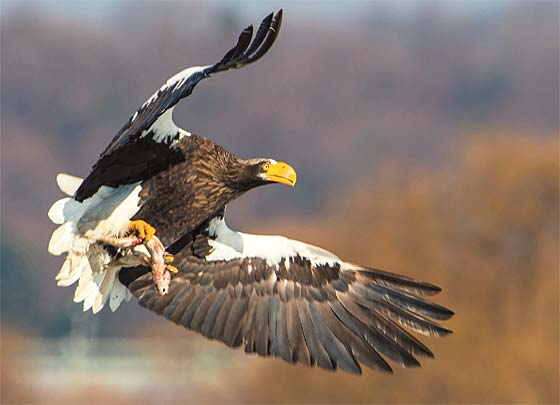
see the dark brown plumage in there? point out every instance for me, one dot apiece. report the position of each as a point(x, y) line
point(179, 199)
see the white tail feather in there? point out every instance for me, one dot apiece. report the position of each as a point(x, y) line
point(105, 290)
point(118, 294)
point(86, 260)
point(72, 277)
point(92, 295)
point(71, 270)
point(61, 239)
point(83, 285)
point(67, 183)
point(64, 271)
point(56, 212)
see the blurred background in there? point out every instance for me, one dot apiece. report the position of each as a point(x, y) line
point(428, 131)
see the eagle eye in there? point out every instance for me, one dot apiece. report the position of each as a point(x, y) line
point(266, 166)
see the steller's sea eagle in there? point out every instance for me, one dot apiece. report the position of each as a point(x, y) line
point(157, 195)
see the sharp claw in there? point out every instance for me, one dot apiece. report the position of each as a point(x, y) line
point(172, 269)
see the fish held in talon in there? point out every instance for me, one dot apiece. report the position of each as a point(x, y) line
point(158, 265)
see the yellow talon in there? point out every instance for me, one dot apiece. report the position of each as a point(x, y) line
point(142, 229)
point(172, 269)
point(168, 258)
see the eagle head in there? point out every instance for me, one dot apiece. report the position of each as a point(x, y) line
point(267, 171)
point(250, 173)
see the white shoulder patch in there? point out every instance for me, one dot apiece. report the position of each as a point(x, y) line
point(230, 244)
point(164, 127)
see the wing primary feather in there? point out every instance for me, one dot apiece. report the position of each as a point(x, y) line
point(272, 34)
point(273, 310)
point(213, 311)
point(220, 324)
point(139, 283)
point(187, 317)
point(295, 334)
point(354, 342)
point(202, 311)
point(181, 307)
point(400, 282)
point(261, 34)
point(376, 292)
point(413, 321)
point(180, 292)
point(159, 302)
point(392, 339)
point(245, 51)
point(227, 57)
point(230, 56)
point(243, 44)
point(234, 322)
point(341, 355)
point(317, 352)
point(282, 334)
point(375, 339)
point(261, 326)
point(364, 353)
point(249, 328)
point(146, 296)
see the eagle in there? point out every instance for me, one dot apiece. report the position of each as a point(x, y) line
point(149, 222)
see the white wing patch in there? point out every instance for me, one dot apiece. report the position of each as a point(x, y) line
point(230, 244)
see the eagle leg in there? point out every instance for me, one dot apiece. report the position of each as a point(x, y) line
point(121, 243)
point(141, 229)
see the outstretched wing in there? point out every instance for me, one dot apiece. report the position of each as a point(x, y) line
point(279, 297)
point(145, 145)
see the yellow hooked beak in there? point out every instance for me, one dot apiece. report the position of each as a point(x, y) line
point(281, 173)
